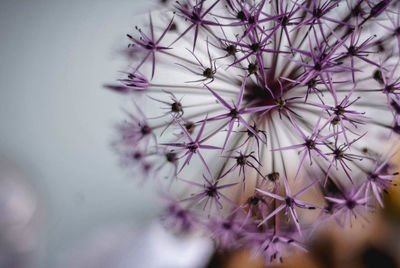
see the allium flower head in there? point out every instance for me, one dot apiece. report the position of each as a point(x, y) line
point(267, 118)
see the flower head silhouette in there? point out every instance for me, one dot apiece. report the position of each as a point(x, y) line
point(268, 118)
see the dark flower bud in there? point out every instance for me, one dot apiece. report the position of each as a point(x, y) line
point(274, 176)
point(252, 68)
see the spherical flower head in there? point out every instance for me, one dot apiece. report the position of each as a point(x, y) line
point(265, 119)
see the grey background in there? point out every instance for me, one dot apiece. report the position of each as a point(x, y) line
point(56, 120)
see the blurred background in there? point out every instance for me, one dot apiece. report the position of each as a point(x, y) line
point(64, 201)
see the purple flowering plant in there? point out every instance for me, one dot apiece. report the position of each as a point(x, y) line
point(267, 119)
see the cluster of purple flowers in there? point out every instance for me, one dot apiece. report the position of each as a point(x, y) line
point(248, 108)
